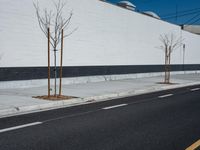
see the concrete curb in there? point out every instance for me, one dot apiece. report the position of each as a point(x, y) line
point(80, 101)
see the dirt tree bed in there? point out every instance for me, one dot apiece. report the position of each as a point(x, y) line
point(54, 97)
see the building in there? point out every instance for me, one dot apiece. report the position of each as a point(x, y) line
point(109, 40)
point(192, 28)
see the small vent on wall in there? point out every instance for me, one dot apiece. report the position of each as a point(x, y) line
point(127, 5)
point(151, 14)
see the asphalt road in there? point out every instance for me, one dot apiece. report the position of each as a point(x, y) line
point(167, 120)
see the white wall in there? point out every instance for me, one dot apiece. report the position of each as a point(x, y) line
point(106, 35)
point(192, 47)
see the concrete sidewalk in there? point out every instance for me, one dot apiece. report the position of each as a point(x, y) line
point(18, 101)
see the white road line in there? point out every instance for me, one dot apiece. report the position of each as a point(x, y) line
point(19, 127)
point(167, 95)
point(115, 106)
point(195, 89)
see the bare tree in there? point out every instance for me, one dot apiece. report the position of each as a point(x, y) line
point(53, 23)
point(169, 43)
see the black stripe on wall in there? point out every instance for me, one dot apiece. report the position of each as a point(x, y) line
point(28, 73)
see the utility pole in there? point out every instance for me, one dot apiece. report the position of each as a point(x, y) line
point(183, 57)
point(176, 13)
point(55, 73)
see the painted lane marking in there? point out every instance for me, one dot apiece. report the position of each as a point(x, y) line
point(163, 96)
point(194, 146)
point(20, 126)
point(115, 106)
point(195, 89)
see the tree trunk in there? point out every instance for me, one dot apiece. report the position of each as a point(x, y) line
point(61, 62)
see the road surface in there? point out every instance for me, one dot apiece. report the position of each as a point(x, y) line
point(167, 120)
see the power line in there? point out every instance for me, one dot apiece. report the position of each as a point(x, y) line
point(181, 15)
point(191, 23)
point(191, 19)
point(179, 12)
point(197, 20)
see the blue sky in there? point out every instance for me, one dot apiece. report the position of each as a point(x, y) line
point(164, 7)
